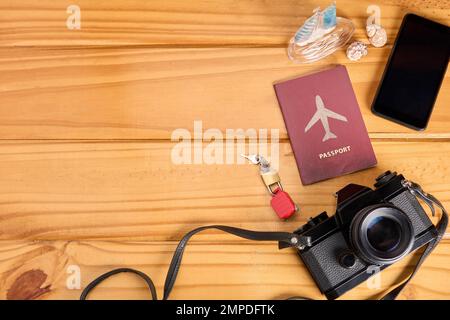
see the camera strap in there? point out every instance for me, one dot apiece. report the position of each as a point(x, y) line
point(284, 240)
point(441, 227)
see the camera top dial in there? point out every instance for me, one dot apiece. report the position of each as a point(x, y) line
point(384, 178)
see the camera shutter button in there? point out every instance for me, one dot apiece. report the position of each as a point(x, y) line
point(347, 260)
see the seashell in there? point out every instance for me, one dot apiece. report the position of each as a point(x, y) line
point(379, 39)
point(329, 17)
point(317, 26)
point(371, 29)
point(356, 50)
point(306, 30)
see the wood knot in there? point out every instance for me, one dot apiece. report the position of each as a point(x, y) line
point(28, 286)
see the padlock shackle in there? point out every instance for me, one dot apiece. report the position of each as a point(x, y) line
point(278, 184)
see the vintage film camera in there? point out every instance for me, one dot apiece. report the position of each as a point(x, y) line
point(371, 228)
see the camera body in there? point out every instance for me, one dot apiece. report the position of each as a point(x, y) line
point(372, 229)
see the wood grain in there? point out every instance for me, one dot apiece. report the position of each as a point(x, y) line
point(85, 122)
point(148, 93)
point(186, 23)
point(132, 190)
point(246, 270)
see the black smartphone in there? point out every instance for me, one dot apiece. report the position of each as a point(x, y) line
point(414, 72)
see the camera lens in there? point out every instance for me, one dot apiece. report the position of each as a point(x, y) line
point(381, 234)
point(384, 234)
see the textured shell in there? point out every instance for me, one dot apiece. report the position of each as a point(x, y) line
point(305, 31)
point(329, 16)
point(356, 50)
point(323, 20)
point(371, 29)
point(379, 39)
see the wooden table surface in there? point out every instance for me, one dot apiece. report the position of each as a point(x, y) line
point(86, 117)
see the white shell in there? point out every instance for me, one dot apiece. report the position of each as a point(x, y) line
point(357, 50)
point(379, 39)
point(318, 25)
point(371, 29)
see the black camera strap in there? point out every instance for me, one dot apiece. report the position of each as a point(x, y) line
point(285, 240)
point(441, 227)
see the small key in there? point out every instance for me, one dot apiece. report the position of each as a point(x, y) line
point(253, 158)
point(269, 176)
point(264, 165)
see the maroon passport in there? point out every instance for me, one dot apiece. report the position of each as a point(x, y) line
point(325, 125)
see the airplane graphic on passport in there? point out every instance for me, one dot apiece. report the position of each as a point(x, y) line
point(323, 114)
point(327, 96)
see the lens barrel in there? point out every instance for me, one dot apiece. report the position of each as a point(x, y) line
point(381, 234)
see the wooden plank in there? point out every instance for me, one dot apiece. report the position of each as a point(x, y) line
point(116, 78)
point(179, 23)
point(148, 93)
point(56, 190)
point(246, 270)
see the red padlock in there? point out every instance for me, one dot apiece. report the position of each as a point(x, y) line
point(282, 204)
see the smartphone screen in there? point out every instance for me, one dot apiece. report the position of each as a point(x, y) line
point(414, 73)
